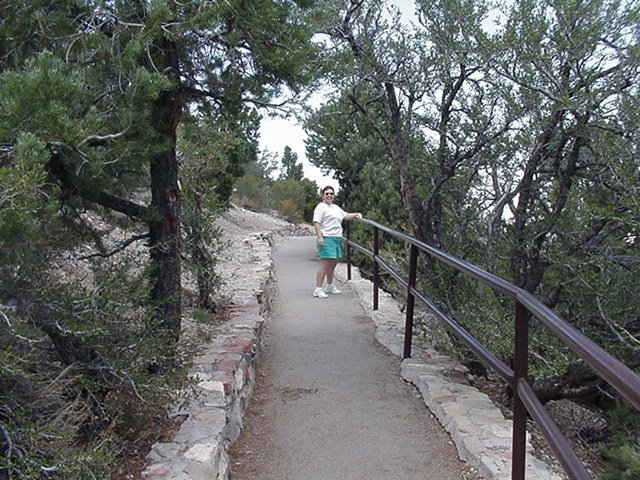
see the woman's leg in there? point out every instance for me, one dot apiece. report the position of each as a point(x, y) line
point(323, 270)
point(331, 267)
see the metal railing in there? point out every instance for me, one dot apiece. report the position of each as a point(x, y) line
point(618, 375)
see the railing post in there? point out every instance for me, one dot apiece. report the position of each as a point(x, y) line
point(348, 252)
point(376, 269)
point(408, 324)
point(521, 371)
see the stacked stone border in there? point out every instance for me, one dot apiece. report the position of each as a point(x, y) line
point(223, 375)
point(481, 434)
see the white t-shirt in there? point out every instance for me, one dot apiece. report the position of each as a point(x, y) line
point(330, 217)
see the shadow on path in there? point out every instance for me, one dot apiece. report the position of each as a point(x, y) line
point(329, 402)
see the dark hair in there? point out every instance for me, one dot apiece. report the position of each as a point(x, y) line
point(328, 187)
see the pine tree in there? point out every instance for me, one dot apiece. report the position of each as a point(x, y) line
point(105, 94)
point(291, 168)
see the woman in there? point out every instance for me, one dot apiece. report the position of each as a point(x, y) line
point(327, 222)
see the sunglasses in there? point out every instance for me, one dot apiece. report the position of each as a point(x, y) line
point(328, 193)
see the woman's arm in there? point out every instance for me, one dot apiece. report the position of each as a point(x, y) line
point(353, 216)
point(316, 226)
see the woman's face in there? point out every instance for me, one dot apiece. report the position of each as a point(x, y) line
point(327, 196)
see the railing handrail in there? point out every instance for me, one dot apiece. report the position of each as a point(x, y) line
point(618, 375)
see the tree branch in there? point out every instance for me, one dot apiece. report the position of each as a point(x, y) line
point(69, 181)
point(221, 98)
point(100, 140)
point(120, 248)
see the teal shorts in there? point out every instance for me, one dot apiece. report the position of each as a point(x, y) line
point(331, 249)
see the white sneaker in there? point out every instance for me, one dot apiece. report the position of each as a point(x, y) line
point(318, 292)
point(331, 289)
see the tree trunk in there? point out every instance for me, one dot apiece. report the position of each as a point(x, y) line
point(568, 386)
point(203, 262)
point(164, 222)
point(399, 152)
point(520, 266)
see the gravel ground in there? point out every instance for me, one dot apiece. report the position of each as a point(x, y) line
point(237, 225)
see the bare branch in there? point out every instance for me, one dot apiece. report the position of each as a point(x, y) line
point(100, 140)
point(120, 248)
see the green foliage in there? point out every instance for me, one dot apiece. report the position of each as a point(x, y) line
point(252, 189)
point(252, 194)
point(288, 198)
point(215, 150)
point(292, 197)
point(57, 406)
point(378, 195)
point(623, 454)
point(47, 97)
point(624, 462)
point(201, 316)
point(310, 191)
point(24, 194)
point(338, 141)
point(291, 168)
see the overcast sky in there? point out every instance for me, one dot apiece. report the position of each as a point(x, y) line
point(277, 133)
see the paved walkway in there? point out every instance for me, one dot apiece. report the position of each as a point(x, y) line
point(329, 402)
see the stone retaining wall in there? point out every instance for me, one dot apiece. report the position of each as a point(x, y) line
point(223, 375)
